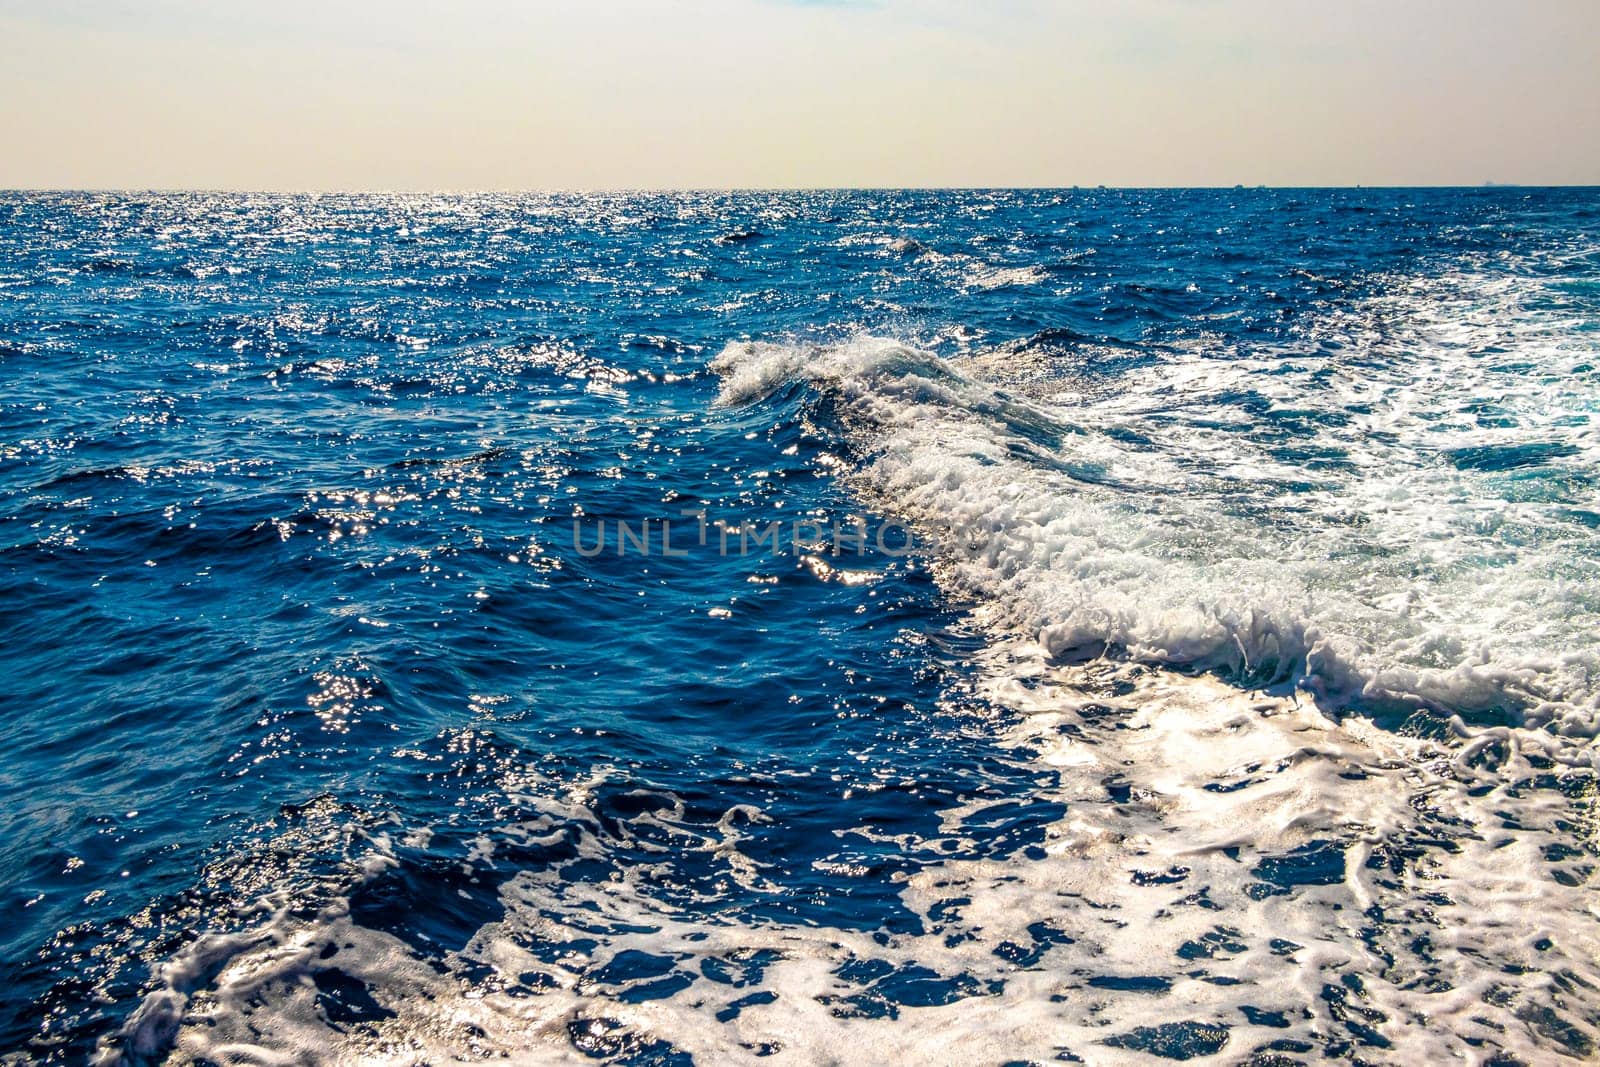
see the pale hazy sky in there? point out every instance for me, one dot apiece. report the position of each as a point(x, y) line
point(492, 94)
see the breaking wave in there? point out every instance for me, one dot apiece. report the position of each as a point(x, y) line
point(1397, 527)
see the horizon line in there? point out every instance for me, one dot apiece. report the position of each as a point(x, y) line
point(637, 189)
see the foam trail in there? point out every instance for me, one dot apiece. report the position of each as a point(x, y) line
point(1221, 874)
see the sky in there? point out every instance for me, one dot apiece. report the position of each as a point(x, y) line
point(562, 94)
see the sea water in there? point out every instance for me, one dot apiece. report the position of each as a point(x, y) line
point(1092, 626)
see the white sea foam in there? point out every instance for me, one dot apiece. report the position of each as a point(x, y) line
point(1359, 519)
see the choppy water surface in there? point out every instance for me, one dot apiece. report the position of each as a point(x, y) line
point(1237, 702)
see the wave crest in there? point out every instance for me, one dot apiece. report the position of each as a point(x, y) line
point(1115, 527)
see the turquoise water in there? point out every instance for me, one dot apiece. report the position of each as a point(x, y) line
point(969, 626)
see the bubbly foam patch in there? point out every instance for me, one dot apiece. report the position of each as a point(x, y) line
point(1222, 873)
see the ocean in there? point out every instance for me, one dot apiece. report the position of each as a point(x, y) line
point(1103, 626)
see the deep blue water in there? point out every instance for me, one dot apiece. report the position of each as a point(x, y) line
point(298, 645)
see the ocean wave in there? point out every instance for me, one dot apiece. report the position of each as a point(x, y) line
point(1329, 541)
